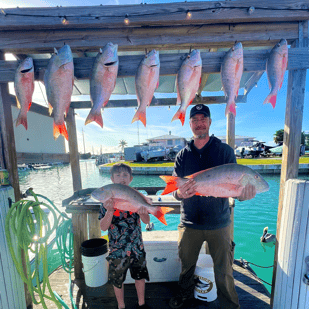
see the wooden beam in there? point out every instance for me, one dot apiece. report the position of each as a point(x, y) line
point(106, 16)
point(254, 60)
point(252, 82)
point(292, 136)
point(160, 38)
point(157, 102)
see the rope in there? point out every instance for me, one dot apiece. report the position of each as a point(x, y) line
point(31, 231)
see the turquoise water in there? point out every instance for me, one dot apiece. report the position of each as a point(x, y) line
point(250, 216)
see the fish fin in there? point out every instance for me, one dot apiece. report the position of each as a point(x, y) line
point(157, 85)
point(97, 117)
point(18, 104)
point(29, 105)
point(171, 184)
point(50, 109)
point(22, 120)
point(60, 129)
point(237, 67)
point(272, 99)
point(178, 95)
point(160, 213)
point(230, 108)
point(140, 115)
point(180, 115)
point(284, 65)
point(104, 104)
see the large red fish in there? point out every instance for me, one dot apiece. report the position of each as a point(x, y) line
point(275, 67)
point(146, 82)
point(59, 81)
point(102, 81)
point(231, 72)
point(226, 180)
point(188, 81)
point(24, 87)
point(128, 199)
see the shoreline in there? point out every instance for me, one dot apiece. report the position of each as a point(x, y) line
point(167, 170)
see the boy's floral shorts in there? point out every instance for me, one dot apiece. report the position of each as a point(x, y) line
point(118, 270)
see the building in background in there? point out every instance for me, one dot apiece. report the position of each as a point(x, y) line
point(240, 140)
point(168, 141)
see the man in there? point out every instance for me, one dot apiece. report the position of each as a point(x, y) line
point(205, 218)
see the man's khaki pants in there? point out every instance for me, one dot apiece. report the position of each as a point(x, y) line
point(221, 249)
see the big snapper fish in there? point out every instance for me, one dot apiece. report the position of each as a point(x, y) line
point(126, 198)
point(102, 81)
point(59, 81)
point(146, 82)
point(231, 71)
point(188, 82)
point(24, 87)
point(227, 180)
point(275, 67)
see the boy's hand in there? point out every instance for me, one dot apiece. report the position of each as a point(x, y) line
point(142, 210)
point(109, 205)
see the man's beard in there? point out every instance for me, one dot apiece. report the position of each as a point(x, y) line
point(201, 136)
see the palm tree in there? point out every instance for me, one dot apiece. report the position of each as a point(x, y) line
point(278, 136)
point(122, 144)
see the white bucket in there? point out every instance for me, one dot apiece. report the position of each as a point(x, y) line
point(205, 285)
point(95, 266)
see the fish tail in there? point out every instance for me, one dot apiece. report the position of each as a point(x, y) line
point(21, 119)
point(140, 115)
point(60, 129)
point(171, 184)
point(272, 99)
point(29, 105)
point(160, 213)
point(180, 115)
point(230, 108)
point(97, 117)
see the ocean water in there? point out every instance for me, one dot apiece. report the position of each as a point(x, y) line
point(250, 216)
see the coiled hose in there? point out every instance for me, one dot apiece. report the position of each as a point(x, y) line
point(27, 225)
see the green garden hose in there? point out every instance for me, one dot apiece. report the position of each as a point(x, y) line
point(27, 228)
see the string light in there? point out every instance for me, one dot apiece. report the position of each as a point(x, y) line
point(189, 15)
point(126, 20)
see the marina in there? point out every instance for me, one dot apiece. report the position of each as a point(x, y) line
point(174, 29)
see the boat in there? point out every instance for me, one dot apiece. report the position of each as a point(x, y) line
point(40, 166)
point(155, 154)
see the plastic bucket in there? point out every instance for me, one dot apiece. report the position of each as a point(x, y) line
point(95, 266)
point(205, 286)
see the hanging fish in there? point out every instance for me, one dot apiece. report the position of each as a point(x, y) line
point(231, 72)
point(275, 67)
point(188, 82)
point(102, 81)
point(24, 87)
point(146, 81)
point(59, 80)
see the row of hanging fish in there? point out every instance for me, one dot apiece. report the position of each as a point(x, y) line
point(59, 80)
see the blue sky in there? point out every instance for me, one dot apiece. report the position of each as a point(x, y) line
point(253, 118)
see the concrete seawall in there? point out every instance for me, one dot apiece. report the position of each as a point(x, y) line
point(260, 168)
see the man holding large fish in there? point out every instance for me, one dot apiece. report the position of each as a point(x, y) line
point(205, 217)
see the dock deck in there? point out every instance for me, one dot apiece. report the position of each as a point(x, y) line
point(252, 294)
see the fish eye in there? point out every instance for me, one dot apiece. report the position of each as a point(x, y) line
point(256, 176)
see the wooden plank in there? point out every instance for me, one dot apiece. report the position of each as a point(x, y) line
point(94, 226)
point(8, 139)
point(154, 14)
point(254, 60)
point(157, 102)
point(292, 134)
point(160, 38)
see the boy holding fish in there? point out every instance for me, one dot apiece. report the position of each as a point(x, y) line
point(126, 249)
point(205, 217)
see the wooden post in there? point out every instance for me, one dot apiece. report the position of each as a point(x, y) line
point(79, 221)
point(94, 225)
point(292, 136)
point(230, 140)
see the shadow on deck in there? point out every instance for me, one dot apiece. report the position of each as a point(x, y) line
point(252, 294)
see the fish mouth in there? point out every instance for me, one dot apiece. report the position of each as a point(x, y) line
point(26, 70)
point(108, 64)
point(153, 65)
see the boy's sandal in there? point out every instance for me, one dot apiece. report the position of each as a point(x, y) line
point(177, 302)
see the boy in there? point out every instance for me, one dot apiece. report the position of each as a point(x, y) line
point(126, 249)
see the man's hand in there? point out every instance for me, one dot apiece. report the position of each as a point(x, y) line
point(247, 193)
point(187, 190)
point(142, 210)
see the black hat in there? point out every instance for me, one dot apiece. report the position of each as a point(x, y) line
point(200, 109)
